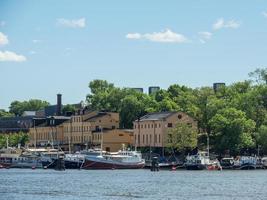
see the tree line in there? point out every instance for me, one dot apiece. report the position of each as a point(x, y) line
point(233, 117)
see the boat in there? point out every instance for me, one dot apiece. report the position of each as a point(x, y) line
point(7, 157)
point(227, 163)
point(197, 161)
point(124, 159)
point(74, 161)
point(245, 162)
point(264, 162)
point(52, 159)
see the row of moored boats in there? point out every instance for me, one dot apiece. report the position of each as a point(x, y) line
point(50, 158)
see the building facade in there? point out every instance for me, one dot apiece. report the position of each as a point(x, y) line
point(151, 130)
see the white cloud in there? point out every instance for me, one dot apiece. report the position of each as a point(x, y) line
point(3, 39)
point(204, 36)
point(264, 14)
point(73, 23)
point(11, 56)
point(164, 36)
point(221, 23)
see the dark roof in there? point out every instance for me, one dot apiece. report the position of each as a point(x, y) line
point(156, 116)
point(99, 114)
point(15, 123)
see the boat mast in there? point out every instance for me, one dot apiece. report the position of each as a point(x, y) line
point(101, 147)
point(7, 142)
point(208, 145)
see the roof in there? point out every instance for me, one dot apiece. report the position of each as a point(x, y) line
point(29, 113)
point(99, 114)
point(156, 116)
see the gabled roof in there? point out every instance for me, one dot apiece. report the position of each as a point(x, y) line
point(156, 116)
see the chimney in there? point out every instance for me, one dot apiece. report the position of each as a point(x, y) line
point(59, 104)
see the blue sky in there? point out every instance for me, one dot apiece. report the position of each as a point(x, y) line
point(47, 47)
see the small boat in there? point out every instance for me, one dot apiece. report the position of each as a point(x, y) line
point(227, 163)
point(7, 156)
point(198, 161)
point(118, 160)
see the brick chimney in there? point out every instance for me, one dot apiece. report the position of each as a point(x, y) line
point(59, 104)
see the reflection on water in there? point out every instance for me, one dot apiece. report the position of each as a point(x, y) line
point(132, 184)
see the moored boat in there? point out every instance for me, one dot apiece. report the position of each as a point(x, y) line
point(118, 160)
point(198, 161)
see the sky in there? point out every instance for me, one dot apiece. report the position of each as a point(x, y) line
point(49, 47)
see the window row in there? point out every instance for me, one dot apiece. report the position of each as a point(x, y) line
point(153, 125)
point(147, 139)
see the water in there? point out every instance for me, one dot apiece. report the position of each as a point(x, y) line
point(131, 184)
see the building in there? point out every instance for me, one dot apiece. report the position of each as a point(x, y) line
point(153, 89)
point(15, 124)
point(113, 139)
point(84, 129)
point(151, 130)
point(47, 131)
point(138, 89)
point(217, 86)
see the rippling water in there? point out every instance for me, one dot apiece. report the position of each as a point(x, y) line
point(131, 184)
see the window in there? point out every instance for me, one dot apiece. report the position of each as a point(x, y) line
point(113, 127)
point(155, 125)
point(138, 139)
point(159, 125)
point(148, 125)
point(143, 138)
point(180, 116)
point(120, 135)
point(145, 125)
point(141, 125)
point(159, 138)
point(151, 125)
point(169, 125)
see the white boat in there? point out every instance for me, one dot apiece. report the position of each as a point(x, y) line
point(198, 161)
point(117, 160)
point(245, 162)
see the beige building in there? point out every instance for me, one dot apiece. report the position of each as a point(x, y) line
point(151, 130)
point(114, 139)
point(81, 130)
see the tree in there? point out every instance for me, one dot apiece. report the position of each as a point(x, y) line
point(182, 137)
point(4, 113)
point(262, 138)
point(68, 108)
point(18, 107)
point(131, 110)
point(259, 75)
point(232, 131)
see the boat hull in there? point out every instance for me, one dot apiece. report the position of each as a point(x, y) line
point(196, 167)
point(73, 164)
point(98, 164)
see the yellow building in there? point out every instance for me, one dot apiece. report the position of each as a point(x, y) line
point(151, 129)
point(113, 139)
point(80, 130)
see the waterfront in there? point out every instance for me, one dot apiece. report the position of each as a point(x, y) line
point(132, 184)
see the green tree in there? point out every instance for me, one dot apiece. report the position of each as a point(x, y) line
point(232, 130)
point(262, 138)
point(182, 137)
point(68, 108)
point(4, 113)
point(18, 107)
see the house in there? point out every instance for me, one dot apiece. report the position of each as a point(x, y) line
point(151, 130)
